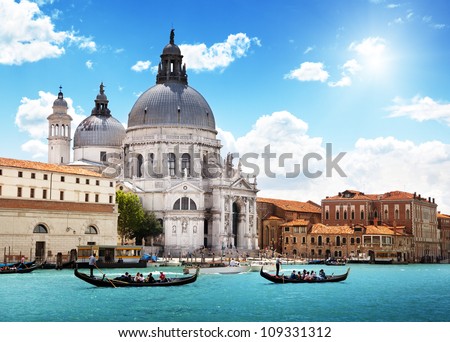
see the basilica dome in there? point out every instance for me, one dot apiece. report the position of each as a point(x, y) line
point(99, 129)
point(171, 102)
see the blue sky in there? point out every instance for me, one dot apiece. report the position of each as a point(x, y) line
point(369, 76)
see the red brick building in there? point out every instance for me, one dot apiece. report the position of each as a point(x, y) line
point(273, 213)
point(417, 215)
point(444, 229)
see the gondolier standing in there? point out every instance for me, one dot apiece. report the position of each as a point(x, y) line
point(277, 264)
point(92, 264)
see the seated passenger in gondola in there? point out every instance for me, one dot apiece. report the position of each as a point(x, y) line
point(162, 277)
point(139, 278)
point(150, 278)
point(124, 277)
point(293, 275)
point(322, 274)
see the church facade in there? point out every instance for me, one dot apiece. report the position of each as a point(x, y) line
point(169, 155)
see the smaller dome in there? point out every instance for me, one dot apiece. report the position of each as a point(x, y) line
point(99, 130)
point(60, 100)
point(171, 49)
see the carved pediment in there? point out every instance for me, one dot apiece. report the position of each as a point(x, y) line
point(185, 187)
point(241, 183)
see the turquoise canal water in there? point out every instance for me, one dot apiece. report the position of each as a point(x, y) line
point(371, 293)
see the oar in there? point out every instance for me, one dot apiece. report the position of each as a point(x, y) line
point(105, 276)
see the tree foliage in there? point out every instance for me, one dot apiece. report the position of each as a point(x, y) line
point(131, 214)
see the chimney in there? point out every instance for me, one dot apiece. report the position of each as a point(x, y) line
point(414, 194)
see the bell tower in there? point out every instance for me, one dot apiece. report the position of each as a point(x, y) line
point(59, 132)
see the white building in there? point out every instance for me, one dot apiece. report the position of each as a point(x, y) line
point(170, 157)
point(46, 209)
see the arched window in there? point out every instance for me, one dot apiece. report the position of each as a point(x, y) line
point(337, 215)
point(40, 229)
point(362, 215)
point(91, 230)
point(186, 164)
point(345, 214)
point(408, 214)
point(353, 214)
point(184, 203)
point(397, 214)
point(172, 163)
point(327, 215)
point(319, 240)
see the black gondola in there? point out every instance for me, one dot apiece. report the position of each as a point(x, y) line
point(285, 280)
point(104, 281)
point(12, 270)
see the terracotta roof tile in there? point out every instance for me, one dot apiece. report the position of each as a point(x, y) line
point(295, 223)
point(320, 228)
point(273, 217)
point(384, 230)
point(307, 207)
point(32, 165)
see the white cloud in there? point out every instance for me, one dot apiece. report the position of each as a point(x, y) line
point(391, 6)
point(429, 20)
point(439, 26)
point(386, 163)
point(420, 109)
point(371, 165)
point(309, 71)
point(345, 81)
point(37, 148)
point(199, 57)
point(89, 64)
point(141, 66)
point(369, 46)
point(308, 50)
point(31, 117)
point(28, 35)
point(351, 67)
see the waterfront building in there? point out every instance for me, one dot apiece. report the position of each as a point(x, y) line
point(295, 238)
point(274, 213)
point(417, 214)
point(169, 155)
point(172, 159)
point(444, 230)
point(330, 241)
point(46, 209)
point(358, 242)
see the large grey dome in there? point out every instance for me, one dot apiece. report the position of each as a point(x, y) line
point(172, 104)
point(99, 131)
